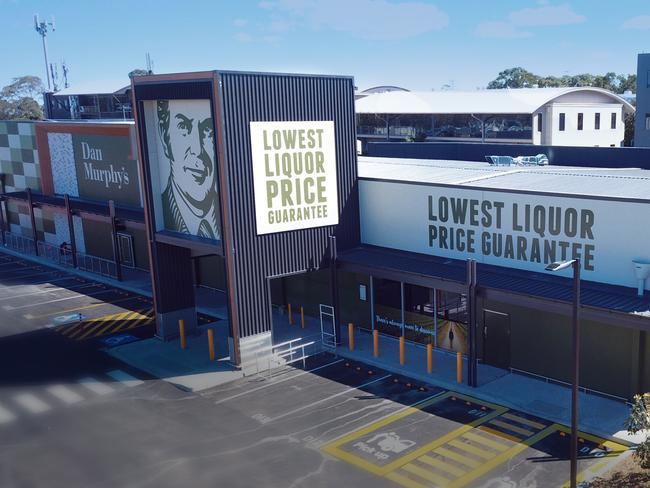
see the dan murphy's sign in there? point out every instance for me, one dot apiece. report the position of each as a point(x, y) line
point(294, 175)
point(105, 169)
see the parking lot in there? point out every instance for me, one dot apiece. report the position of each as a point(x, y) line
point(71, 415)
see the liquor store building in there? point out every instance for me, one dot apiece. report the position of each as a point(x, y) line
point(423, 223)
point(250, 183)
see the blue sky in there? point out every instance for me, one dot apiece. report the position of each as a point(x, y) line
point(417, 44)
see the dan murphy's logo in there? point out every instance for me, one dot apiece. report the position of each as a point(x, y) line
point(294, 175)
point(108, 175)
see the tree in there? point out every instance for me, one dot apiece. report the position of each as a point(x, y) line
point(521, 78)
point(19, 99)
point(514, 78)
point(139, 72)
point(638, 422)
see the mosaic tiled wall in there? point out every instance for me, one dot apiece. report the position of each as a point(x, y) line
point(20, 165)
point(19, 156)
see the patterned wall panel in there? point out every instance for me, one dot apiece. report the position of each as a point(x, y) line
point(19, 156)
point(64, 173)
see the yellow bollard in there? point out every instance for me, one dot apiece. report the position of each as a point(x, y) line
point(181, 330)
point(290, 314)
point(375, 343)
point(459, 367)
point(429, 358)
point(351, 336)
point(401, 350)
point(302, 317)
point(211, 343)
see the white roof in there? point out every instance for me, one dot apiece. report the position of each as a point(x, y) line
point(627, 183)
point(508, 101)
point(96, 87)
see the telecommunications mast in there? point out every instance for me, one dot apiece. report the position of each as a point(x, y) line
point(42, 28)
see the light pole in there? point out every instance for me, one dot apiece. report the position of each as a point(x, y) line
point(42, 28)
point(558, 266)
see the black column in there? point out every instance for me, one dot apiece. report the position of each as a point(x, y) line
point(30, 202)
point(472, 370)
point(73, 241)
point(334, 286)
point(116, 249)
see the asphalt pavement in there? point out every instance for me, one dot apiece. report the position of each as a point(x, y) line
point(73, 416)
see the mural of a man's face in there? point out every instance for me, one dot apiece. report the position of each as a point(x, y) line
point(190, 147)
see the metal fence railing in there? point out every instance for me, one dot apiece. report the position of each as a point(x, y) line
point(19, 243)
point(94, 264)
point(61, 255)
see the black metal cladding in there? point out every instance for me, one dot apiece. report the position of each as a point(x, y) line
point(247, 97)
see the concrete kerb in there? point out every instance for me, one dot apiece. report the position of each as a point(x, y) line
point(123, 285)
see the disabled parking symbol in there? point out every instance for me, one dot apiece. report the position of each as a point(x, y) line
point(67, 318)
point(391, 442)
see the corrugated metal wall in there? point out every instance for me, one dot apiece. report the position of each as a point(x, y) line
point(247, 97)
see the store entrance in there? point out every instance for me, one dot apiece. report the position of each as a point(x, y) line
point(496, 339)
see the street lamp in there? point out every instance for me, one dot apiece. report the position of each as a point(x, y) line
point(558, 266)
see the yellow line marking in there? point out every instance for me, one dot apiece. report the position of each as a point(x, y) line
point(502, 458)
point(104, 326)
point(427, 475)
point(78, 330)
point(614, 450)
point(513, 428)
point(457, 457)
point(68, 328)
point(404, 481)
point(86, 307)
point(465, 446)
point(333, 447)
point(485, 441)
point(497, 433)
point(441, 465)
point(90, 331)
point(525, 421)
point(118, 322)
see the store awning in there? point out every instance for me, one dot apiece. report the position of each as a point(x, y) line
point(601, 302)
point(123, 213)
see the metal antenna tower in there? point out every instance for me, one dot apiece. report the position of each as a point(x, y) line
point(42, 28)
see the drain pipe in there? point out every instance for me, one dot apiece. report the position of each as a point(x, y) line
point(641, 271)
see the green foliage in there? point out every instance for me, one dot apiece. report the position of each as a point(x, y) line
point(139, 72)
point(18, 100)
point(419, 137)
point(639, 421)
point(520, 78)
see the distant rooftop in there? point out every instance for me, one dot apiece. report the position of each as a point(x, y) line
point(626, 183)
point(96, 88)
point(508, 101)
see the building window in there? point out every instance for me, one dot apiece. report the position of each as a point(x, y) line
point(597, 121)
point(562, 121)
point(613, 120)
point(647, 121)
point(580, 120)
point(539, 122)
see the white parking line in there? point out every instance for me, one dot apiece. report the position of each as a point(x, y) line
point(54, 290)
point(36, 284)
point(65, 394)
point(347, 390)
point(9, 307)
point(31, 403)
point(124, 378)
point(5, 415)
point(95, 386)
point(277, 382)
